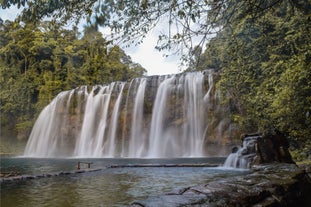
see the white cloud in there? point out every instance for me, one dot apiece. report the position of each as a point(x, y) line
point(9, 14)
point(151, 59)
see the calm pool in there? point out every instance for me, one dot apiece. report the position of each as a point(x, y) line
point(107, 187)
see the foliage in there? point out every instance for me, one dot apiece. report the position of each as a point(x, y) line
point(39, 61)
point(189, 23)
point(262, 49)
point(266, 72)
point(302, 152)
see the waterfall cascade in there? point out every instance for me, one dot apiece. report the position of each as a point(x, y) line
point(272, 147)
point(158, 116)
point(242, 157)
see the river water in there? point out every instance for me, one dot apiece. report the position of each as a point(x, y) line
point(107, 187)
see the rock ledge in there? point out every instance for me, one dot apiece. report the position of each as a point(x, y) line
point(271, 185)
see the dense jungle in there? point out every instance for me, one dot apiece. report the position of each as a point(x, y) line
point(261, 49)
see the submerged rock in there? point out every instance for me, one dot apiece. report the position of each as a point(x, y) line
point(277, 184)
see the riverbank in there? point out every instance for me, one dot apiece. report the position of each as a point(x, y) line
point(276, 184)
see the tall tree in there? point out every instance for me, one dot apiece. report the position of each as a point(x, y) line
point(37, 61)
point(266, 71)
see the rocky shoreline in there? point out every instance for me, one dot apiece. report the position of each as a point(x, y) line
point(274, 180)
point(271, 185)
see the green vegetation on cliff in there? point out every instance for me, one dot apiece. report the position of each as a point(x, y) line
point(39, 61)
point(262, 50)
point(266, 72)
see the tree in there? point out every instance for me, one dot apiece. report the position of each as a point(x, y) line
point(189, 23)
point(262, 49)
point(265, 72)
point(37, 61)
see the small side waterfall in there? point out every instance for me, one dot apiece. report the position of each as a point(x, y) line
point(242, 157)
point(157, 116)
point(257, 148)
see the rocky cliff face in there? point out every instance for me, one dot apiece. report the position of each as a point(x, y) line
point(159, 116)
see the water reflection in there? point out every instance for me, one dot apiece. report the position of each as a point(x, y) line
point(108, 187)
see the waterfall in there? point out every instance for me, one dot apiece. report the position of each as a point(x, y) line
point(125, 125)
point(137, 138)
point(157, 142)
point(90, 142)
point(242, 157)
point(193, 111)
point(114, 124)
point(157, 116)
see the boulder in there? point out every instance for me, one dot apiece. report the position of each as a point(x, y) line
point(259, 149)
point(272, 148)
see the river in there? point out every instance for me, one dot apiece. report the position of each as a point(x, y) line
point(106, 187)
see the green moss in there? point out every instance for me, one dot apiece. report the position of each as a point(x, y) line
point(304, 162)
point(300, 155)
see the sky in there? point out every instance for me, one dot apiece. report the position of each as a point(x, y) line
point(145, 54)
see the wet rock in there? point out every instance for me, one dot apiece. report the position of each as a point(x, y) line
point(276, 184)
point(259, 149)
point(67, 173)
point(306, 167)
point(272, 147)
point(234, 149)
point(173, 200)
point(8, 174)
point(55, 174)
point(28, 177)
